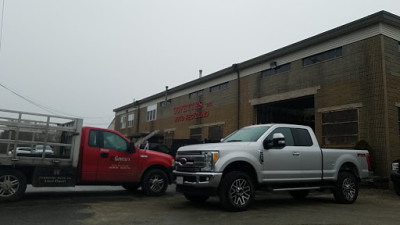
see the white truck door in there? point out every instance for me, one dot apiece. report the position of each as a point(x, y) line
point(310, 154)
point(282, 164)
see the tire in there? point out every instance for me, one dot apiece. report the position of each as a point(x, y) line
point(197, 198)
point(346, 191)
point(236, 192)
point(131, 186)
point(12, 185)
point(155, 182)
point(299, 195)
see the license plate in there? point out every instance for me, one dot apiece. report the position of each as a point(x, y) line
point(179, 180)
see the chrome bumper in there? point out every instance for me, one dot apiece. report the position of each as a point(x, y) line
point(198, 179)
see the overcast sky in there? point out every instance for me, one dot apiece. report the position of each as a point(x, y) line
point(85, 58)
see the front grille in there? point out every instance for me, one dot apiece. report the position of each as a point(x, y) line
point(190, 161)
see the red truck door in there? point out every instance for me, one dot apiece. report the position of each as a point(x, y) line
point(110, 158)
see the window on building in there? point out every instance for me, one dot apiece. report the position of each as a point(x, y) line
point(131, 118)
point(215, 133)
point(123, 122)
point(196, 94)
point(152, 112)
point(195, 134)
point(219, 87)
point(276, 70)
point(323, 56)
point(340, 128)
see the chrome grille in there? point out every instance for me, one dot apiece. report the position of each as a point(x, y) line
point(190, 161)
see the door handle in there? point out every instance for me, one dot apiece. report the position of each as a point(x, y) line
point(296, 153)
point(104, 155)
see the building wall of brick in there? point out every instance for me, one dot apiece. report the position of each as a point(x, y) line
point(366, 76)
point(392, 69)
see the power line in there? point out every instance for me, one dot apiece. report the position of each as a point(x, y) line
point(48, 109)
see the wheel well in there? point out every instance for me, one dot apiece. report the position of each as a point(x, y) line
point(351, 168)
point(156, 167)
point(242, 166)
point(27, 171)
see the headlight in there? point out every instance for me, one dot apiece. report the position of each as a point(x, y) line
point(210, 159)
point(395, 166)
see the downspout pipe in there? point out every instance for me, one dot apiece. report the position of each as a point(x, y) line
point(138, 116)
point(235, 68)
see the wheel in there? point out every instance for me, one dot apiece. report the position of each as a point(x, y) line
point(131, 186)
point(196, 197)
point(299, 195)
point(346, 191)
point(12, 185)
point(236, 192)
point(155, 182)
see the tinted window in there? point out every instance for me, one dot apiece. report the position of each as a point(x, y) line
point(286, 133)
point(93, 138)
point(301, 137)
point(114, 141)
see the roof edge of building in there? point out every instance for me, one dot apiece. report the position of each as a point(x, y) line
point(379, 17)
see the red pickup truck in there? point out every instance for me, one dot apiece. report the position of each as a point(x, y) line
point(74, 155)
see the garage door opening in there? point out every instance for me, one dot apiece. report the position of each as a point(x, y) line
point(295, 111)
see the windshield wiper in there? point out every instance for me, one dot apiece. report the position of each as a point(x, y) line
point(234, 141)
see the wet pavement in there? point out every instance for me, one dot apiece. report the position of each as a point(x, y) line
point(114, 205)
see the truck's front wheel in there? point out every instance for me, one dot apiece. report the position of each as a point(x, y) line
point(236, 192)
point(346, 190)
point(155, 182)
point(12, 185)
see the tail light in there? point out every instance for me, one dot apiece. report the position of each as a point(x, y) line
point(368, 161)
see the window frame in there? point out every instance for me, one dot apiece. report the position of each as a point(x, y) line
point(279, 69)
point(123, 121)
point(328, 127)
point(151, 114)
point(323, 56)
point(219, 87)
point(196, 94)
point(131, 120)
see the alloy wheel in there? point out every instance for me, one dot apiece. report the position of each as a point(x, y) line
point(240, 192)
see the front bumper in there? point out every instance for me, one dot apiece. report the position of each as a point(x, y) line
point(198, 179)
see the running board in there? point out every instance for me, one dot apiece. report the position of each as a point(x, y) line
point(302, 188)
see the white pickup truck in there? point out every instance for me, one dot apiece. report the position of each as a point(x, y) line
point(272, 157)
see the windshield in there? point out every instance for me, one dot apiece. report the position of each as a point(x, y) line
point(247, 134)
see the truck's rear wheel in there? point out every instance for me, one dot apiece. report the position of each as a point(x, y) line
point(346, 191)
point(155, 182)
point(12, 185)
point(236, 192)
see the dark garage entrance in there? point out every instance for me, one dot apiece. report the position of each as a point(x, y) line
point(295, 111)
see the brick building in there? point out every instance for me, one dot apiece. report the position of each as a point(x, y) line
point(344, 83)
